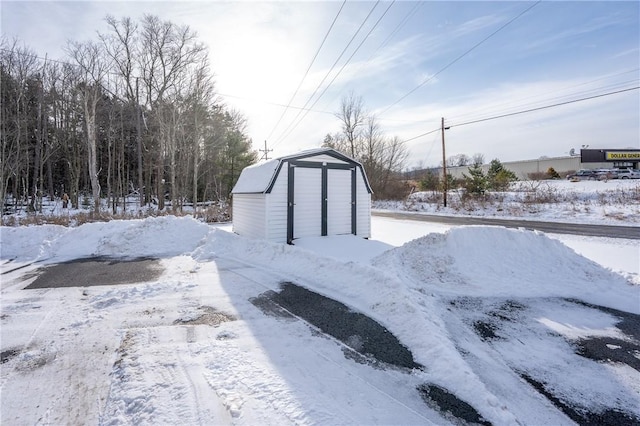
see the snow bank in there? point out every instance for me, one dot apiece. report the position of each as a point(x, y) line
point(154, 236)
point(498, 262)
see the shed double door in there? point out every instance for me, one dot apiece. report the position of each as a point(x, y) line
point(322, 201)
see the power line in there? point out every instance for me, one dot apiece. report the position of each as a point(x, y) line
point(343, 67)
point(524, 111)
point(421, 135)
point(461, 56)
point(308, 68)
point(329, 72)
point(398, 27)
point(518, 103)
point(273, 103)
point(546, 106)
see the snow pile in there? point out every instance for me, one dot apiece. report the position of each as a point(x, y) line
point(154, 237)
point(501, 262)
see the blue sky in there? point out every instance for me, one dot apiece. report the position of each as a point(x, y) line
point(259, 52)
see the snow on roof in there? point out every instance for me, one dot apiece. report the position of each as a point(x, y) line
point(256, 178)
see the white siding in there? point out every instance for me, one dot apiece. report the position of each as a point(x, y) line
point(277, 208)
point(307, 209)
point(249, 215)
point(338, 202)
point(363, 203)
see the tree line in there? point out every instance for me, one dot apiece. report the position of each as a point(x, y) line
point(362, 138)
point(133, 112)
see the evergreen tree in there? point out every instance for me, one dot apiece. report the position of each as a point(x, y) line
point(499, 178)
point(476, 182)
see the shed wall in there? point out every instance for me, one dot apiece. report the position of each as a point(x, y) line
point(249, 215)
point(276, 208)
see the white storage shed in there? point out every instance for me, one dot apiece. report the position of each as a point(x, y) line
point(313, 193)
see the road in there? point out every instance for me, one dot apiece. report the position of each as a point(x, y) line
point(609, 231)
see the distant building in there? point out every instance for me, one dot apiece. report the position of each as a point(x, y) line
point(588, 159)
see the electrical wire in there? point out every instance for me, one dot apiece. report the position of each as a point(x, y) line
point(308, 68)
point(519, 103)
point(461, 56)
point(523, 112)
point(545, 107)
point(342, 68)
point(398, 27)
point(279, 139)
point(274, 103)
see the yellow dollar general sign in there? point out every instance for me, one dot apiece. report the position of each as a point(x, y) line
point(623, 155)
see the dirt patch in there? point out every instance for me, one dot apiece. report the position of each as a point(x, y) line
point(357, 331)
point(450, 405)
point(209, 316)
point(96, 271)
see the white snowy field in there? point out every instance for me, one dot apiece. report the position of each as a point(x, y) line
point(612, 202)
point(505, 320)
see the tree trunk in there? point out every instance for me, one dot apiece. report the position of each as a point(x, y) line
point(90, 101)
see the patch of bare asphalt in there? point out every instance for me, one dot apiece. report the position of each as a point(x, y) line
point(8, 354)
point(96, 271)
point(450, 406)
point(608, 417)
point(357, 331)
point(369, 342)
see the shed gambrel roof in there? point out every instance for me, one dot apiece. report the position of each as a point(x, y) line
point(259, 178)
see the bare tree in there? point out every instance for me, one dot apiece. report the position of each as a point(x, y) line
point(90, 58)
point(169, 53)
point(352, 116)
point(477, 158)
point(18, 66)
point(121, 46)
point(458, 160)
point(143, 89)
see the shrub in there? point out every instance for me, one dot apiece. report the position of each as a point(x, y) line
point(552, 174)
point(429, 182)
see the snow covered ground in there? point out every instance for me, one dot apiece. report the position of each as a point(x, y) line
point(612, 202)
point(517, 327)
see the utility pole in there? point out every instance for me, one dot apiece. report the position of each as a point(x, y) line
point(266, 151)
point(444, 165)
